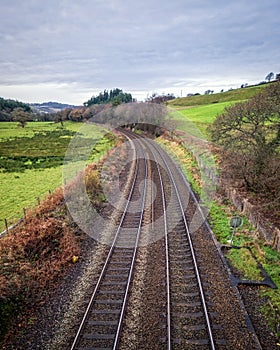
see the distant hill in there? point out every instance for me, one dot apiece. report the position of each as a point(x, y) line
point(50, 107)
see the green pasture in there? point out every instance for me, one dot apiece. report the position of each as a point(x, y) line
point(9, 130)
point(21, 190)
point(31, 160)
point(193, 114)
point(195, 120)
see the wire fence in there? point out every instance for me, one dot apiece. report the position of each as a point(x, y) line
point(22, 219)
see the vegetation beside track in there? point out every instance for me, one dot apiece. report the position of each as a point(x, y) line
point(32, 257)
point(36, 254)
point(220, 212)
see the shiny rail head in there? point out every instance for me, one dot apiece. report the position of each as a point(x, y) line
point(79, 174)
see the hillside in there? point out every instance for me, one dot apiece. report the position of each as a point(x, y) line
point(227, 96)
point(194, 114)
point(49, 107)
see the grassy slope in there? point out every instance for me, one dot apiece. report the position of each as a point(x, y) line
point(200, 116)
point(19, 189)
point(228, 96)
point(202, 110)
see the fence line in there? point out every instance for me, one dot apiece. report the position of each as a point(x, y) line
point(10, 228)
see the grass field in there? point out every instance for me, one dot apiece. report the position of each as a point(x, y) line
point(200, 116)
point(31, 161)
point(10, 130)
point(195, 113)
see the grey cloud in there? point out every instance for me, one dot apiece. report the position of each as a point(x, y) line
point(143, 45)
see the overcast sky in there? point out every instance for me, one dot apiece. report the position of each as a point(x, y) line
point(69, 50)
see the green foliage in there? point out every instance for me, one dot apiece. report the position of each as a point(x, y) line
point(8, 104)
point(271, 309)
point(243, 260)
point(271, 263)
point(219, 222)
point(115, 96)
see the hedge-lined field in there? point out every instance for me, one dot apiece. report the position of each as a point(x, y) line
point(31, 161)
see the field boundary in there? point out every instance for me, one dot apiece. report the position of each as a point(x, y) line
point(10, 228)
point(23, 219)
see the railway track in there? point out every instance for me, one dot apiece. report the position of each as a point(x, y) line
point(189, 316)
point(101, 324)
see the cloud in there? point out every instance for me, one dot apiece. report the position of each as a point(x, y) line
point(141, 47)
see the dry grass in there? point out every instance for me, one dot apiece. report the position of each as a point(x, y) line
point(34, 256)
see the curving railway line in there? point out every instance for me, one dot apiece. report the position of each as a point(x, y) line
point(186, 300)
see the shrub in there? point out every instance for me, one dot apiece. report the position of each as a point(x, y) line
point(249, 134)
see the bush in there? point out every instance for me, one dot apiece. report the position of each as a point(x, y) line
point(33, 256)
point(249, 134)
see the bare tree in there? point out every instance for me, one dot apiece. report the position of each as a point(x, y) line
point(21, 116)
point(269, 76)
point(249, 134)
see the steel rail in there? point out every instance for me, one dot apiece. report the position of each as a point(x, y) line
point(116, 341)
point(202, 296)
point(82, 324)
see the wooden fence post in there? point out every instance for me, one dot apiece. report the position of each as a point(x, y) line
point(6, 226)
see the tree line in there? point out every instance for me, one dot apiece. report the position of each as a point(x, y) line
point(115, 96)
point(7, 106)
point(11, 110)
